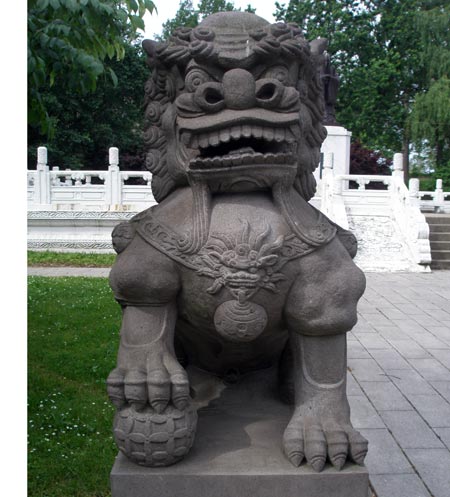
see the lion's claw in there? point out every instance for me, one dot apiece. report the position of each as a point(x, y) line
point(160, 381)
point(304, 439)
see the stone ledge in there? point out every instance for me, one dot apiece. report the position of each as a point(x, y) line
point(237, 453)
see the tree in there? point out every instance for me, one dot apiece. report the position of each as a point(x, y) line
point(429, 121)
point(86, 126)
point(366, 161)
point(70, 40)
point(377, 55)
point(188, 16)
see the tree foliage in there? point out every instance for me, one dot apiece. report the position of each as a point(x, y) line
point(429, 121)
point(70, 40)
point(366, 161)
point(189, 16)
point(377, 55)
point(87, 125)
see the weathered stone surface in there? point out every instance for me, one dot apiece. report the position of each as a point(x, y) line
point(234, 271)
point(237, 453)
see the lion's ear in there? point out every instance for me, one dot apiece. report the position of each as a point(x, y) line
point(318, 46)
point(149, 47)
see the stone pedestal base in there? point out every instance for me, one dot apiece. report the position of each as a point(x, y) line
point(237, 453)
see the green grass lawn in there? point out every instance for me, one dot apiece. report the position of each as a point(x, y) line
point(72, 345)
point(70, 259)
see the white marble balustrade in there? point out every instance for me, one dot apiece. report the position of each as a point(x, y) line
point(66, 190)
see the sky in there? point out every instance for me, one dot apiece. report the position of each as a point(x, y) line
point(168, 8)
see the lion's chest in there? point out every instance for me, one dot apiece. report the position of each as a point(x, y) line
point(243, 272)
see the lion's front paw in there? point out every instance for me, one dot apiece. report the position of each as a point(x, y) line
point(160, 381)
point(313, 440)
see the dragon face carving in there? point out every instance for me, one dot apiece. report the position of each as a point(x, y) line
point(234, 104)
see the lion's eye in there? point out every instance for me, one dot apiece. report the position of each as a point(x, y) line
point(278, 72)
point(195, 78)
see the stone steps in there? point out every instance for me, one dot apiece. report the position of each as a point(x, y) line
point(439, 240)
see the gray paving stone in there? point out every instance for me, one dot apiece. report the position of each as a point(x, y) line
point(409, 349)
point(409, 382)
point(363, 327)
point(425, 305)
point(439, 314)
point(428, 341)
point(363, 415)
point(366, 370)
point(356, 351)
point(377, 319)
point(389, 359)
point(394, 313)
point(352, 386)
point(425, 320)
point(431, 369)
point(90, 272)
point(441, 332)
point(433, 466)
point(443, 387)
point(399, 486)
point(410, 430)
point(365, 307)
point(384, 456)
point(410, 309)
point(391, 333)
point(433, 408)
point(385, 396)
point(442, 355)
point(444, 435)
point(409, 326)
point(373, 341)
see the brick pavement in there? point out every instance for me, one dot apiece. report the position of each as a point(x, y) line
point(398, 381)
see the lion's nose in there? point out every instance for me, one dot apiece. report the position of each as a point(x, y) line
point(239, 89)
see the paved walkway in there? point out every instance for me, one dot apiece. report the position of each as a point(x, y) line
point(399, 379)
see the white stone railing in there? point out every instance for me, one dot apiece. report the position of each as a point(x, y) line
point(55, 189)
point(396, 202)
point(433, 201)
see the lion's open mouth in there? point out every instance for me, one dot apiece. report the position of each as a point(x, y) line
point(235, 138)
point(241, 144)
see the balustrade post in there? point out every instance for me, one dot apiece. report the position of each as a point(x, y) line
point(114, 186)
point(327, 179)
point(42, 185)
point(438, 195)
point(398, 166)
point(414, 187)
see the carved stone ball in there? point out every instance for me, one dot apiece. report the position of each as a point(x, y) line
point(152, 439)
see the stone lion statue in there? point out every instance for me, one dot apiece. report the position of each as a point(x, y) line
point(234, 270)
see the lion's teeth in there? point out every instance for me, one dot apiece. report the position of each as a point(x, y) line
point(247, 130)
point(279, 134)
point(224, 135)
point(214, 138)
point(203, 141)
point(268, 134)
point(257, 131)
point(236, 132)
point(194, 141)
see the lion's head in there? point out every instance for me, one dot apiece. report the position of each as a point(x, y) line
point(235, 103)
